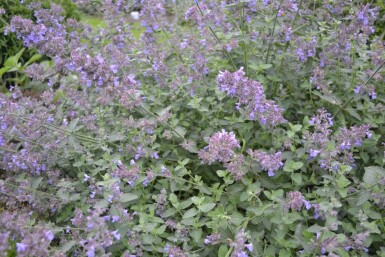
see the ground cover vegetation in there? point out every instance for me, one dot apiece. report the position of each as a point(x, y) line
point(220, 128)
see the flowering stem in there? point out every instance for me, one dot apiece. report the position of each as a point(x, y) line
point(244, 225)
point(366, 82)
point(272, 32)
point(173, 45)
point(156, 116)
point(242, 27)
point(8, 150)
point(217, 38)
point(33, 190)
point(53, 127)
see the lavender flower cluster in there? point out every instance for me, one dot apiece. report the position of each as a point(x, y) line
point(240, 245)
point(269, 162)
point(221, 148)
point(251, 94)
point(317, 142)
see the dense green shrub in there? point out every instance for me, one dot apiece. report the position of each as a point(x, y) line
point(234, 128)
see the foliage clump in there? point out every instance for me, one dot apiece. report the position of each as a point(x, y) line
point(230, 128)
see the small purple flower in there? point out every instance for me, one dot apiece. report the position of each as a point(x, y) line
point(114, 68)
point(49, 235)
point(91, 251)
point(21, 247)
point(307, 204)
point(314, 153)
point(249, 247)
point(86, 177)
point(71, 66)
point(115, 219)
point(116, 234)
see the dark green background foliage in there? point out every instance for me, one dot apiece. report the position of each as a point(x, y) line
point(10, 45)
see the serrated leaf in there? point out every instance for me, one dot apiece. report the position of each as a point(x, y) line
point(297, 178)
point(116, 137)
point(148, 227)
point(315, 229)
point(127, 197)
point(160, 230)
point(236, 218)
point(205, 189)
point(363, 197)
point(36, 182)
point(222, 252)
point(373, 174)
point(101, 204)
point(196, 234)
point(73, 124)
point(67, 246)
point(190, 213)
point(181, 131)
point(260, 67)
point(206, 207)
point(185, 204)
point(291, 166)
point(169, 212)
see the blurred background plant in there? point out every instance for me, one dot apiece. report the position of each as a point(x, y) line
point(14, 58)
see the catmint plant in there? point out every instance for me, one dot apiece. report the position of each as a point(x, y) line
point(205, 128)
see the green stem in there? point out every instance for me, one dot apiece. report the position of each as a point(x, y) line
point(217, 38)
point(244, 48)
point(366, 82)
point(244, 225)
point(272, 32)
point(156, 116)
point(8, 150)
point(173, 45)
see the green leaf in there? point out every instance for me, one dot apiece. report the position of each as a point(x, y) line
point(185, 204)
point(331, 99)
point(283, 253)
point(102, 204)
point(127, 197)
point(291, 166)
point(4, 70)
point(13, 60)
point(34, 58)
point(190, 213)
point(297, 178)
point(206, 207)
point(148, 227)
point(315, 229)
point(222, 173)
point(67, 246)
point(169, 212)
point(363, 197)
point(205, 189)
point(160, 230)
point(73, 124)
point(373, 174)
point(196, 234)
point(36, 182)
point(236, 218)
point(181, 130)
point(260, 67)
point(116, 137)
point(343, 182)
point(222, 252)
